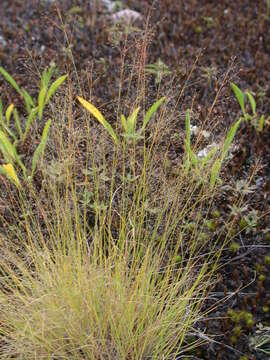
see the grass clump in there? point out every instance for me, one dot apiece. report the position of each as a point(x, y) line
point(100, 262)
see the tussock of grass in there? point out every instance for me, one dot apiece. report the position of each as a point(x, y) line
point(109, 258)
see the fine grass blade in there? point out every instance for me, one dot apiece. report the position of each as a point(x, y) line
point(240, 96)
point(55, 85)
point(190, 153)
point(124, 123)
point(9, 113)
point(41, 101)
point(252, 102)
point(17, 122)
point(98, 116)
point(9, 171)
point(229, 138)
point(1, 112)
point(40, 149)
point(10, 79)
point(29, 121)
point(153, 109)
point(214, 173)
point(29, 102)
point(188, 133)
point(131, 122)
point(9, 151)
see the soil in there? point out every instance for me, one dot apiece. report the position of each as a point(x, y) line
point(206, 45)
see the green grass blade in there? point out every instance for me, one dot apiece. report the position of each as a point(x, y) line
point(41, 102)
point(29, 121)
point(41, 147)
point(131, 121)
point(240, 96)
point(229, 138)
point(124, 123)
point(98, 116)
point(10, 79)
point(55, 85)
point(29, 102)
point(17, 122)
point(252, 102)
point(215, 173)
point(188, 133)
point(153, 109)
point(1, 112)
point(8, 149)
point(191, 154)
point(9, 113)
point(261, 123)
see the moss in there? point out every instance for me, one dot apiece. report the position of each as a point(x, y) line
point(237, 330)
point(234, 247)
point(261, 278)
point(267, 260)
point(216, 214)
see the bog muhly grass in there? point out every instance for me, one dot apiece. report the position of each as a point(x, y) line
point(111, 262)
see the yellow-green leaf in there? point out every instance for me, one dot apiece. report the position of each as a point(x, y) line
point(9, 112)
point(41, 102)
point(11, 174)
point(98, 116)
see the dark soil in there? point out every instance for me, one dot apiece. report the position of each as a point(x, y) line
point(220, 42)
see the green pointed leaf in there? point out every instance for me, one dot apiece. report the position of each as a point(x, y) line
point(9, 113)
point(17, 122)
point(153, 109)
point(29, 102)
point(41, 102)
point(188, 133)
point(9, 151)
point(261, 123)
point(240, 97)
point(252, 102)
point(215, 173)
point(1, 112)
point(98, 116)
point(124, 122)
point(229, 138)
point(41, 147)
point(131, 122)
point(55, 85)
point(31, 117)
point(191, 154)
point(10, 79)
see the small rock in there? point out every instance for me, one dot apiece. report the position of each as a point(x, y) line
point(204, 152)
point(110, 5)
point(3, 41)
point(126, 16)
